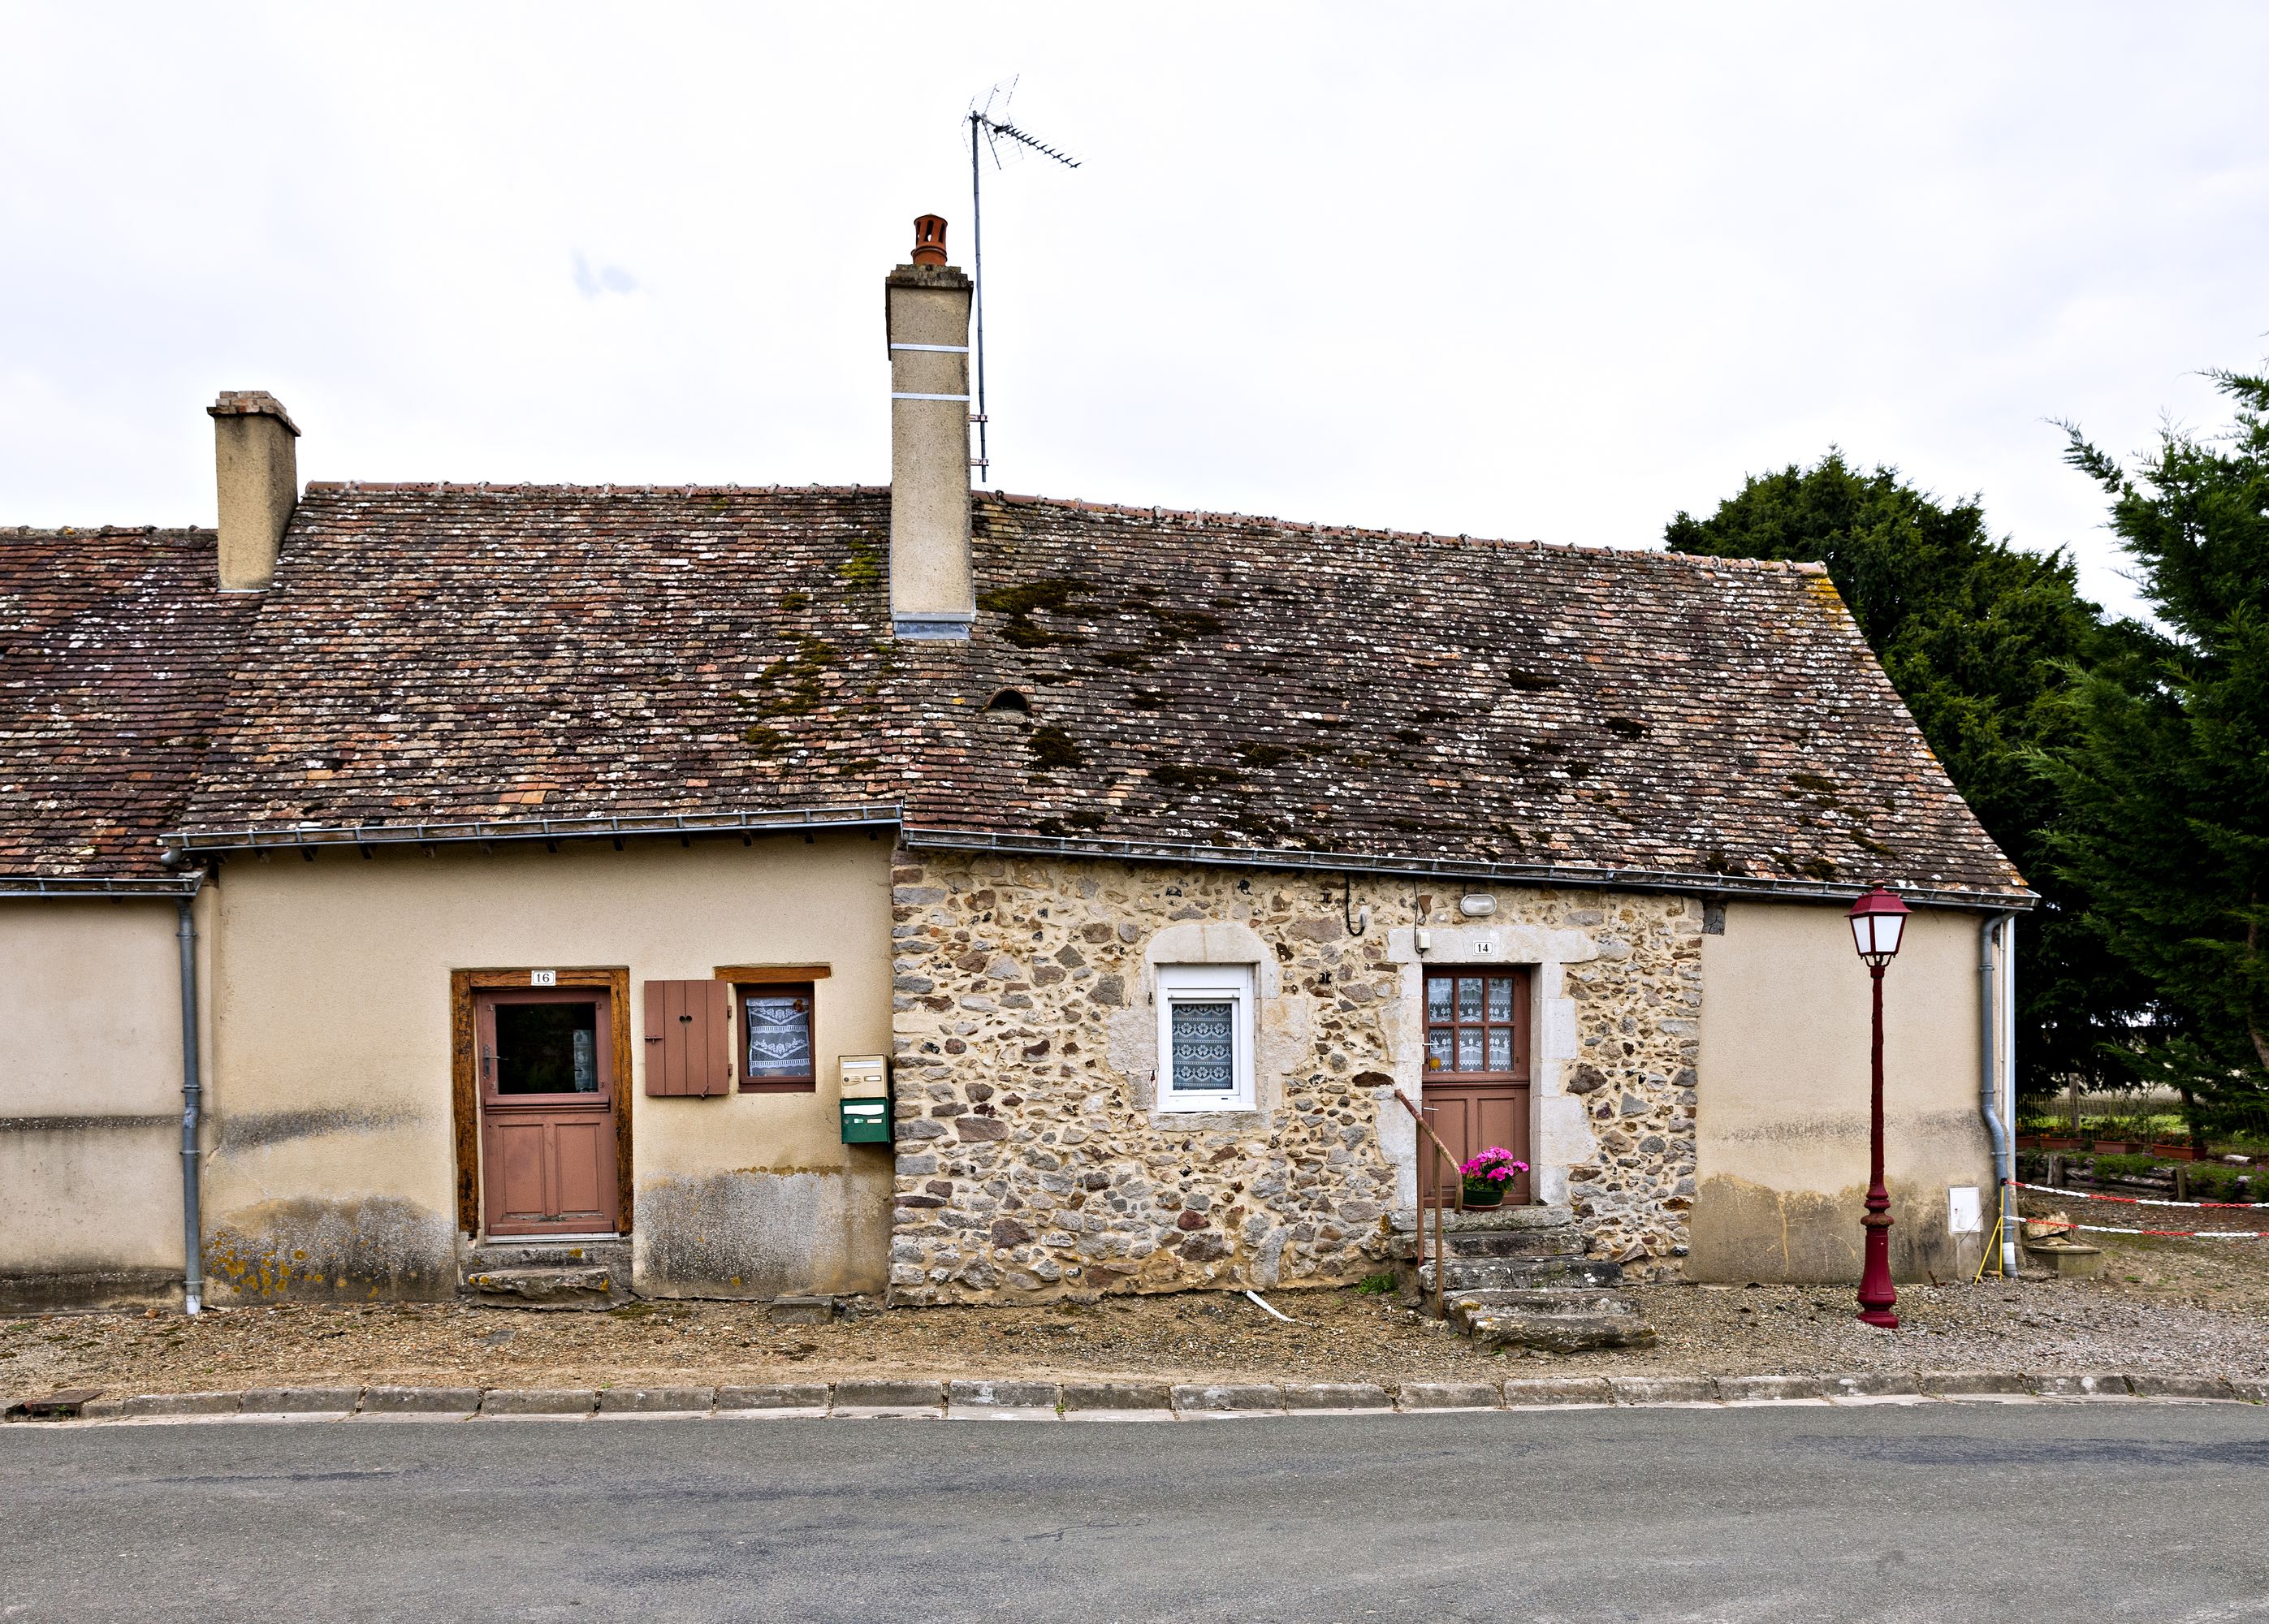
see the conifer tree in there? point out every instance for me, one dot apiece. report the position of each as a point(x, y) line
point(2165, 780)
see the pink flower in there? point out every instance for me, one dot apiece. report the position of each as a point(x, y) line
point(1496, 1164)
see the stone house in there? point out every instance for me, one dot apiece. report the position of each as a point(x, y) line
point(534, 890)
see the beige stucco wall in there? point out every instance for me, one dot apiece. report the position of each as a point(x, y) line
point(90, 1102)
point(335, 1169)
point(1782, 1150)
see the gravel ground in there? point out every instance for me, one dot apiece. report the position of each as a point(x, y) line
point(2161, 1305)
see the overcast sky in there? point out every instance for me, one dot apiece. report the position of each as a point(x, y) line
point(1547, 270)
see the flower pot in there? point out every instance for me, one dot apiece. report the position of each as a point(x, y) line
point(2059, 1144)
point(2118, 1147)
point(1481, 1193)
point(2175, 1152)
point(2028, 1141)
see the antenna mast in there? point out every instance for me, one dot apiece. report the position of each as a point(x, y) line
point(991, 131)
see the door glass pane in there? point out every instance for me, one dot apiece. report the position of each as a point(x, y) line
point(547, 1048)
point(1437, 997)
point(1441, 1049)
point(1469, 1050)
point(779, 1025)
point(1205, 1058)
point(1469, 998)
point(1500, 1048)
point(1500, 998)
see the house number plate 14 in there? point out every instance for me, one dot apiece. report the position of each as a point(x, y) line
point(543, 977)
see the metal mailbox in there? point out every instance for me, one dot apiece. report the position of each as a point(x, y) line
point(866, 1102)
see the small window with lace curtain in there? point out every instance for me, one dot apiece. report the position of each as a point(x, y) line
point(776, 1038)
point(1205, 1037)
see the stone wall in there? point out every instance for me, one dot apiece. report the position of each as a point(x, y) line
point(1032, 1162)
point(1636, 1017)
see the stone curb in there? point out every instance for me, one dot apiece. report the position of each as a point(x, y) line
point(2104, 1384)
point(1004, 1396)
point(979, 1399)
point(1537, 1392)
point(1771, 1389)
point(301, 1400)
point(1117, 1397)
point(657, 1400)
point(455, 1402)
point(1450, 1396)
point(1662, 1388)
point(161, 1406)
point(1335, 1398)
point(1231, 1399)
point(539, 1401)
point(1976, 1384)
point(774, 1398)
point(1875, 1384)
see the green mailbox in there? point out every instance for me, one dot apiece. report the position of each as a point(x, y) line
point(866, 1103)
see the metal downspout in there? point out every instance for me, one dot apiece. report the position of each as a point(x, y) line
point(2011, 1229)
point(193, 1268)
point(1999, 1127)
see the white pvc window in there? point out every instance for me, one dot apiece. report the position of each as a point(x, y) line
point(1205, 1037)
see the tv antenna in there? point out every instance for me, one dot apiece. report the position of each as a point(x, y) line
point(986, 132)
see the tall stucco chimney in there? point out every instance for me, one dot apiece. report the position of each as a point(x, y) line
point(259, 471)
point(926, 306)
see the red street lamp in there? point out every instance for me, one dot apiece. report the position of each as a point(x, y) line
point(1877, 921)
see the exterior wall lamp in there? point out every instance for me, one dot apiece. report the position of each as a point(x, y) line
point(1878, 919)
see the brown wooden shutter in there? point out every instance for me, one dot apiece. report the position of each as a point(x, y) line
point(689, 1043)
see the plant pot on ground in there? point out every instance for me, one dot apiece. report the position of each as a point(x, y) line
point(2119, 1148)
point(2060, 1144)
point(2175, 1152)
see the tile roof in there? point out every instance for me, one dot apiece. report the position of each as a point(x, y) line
point(451, 652)
point(429, 654)
point(115, 651)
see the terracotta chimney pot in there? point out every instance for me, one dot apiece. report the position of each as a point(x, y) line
point(929, 239)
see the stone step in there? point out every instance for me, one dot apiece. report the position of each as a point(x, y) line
point(1484, 1219)
point(1552, 1332)
point(1467, 1275)
point(595, 1286)
point(1563, 1301)
point(1513, 1243)
point(537, 1252)
point(538, 1273)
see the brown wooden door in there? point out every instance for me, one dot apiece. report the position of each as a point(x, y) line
point(545, 1062)
point(1476, 1094)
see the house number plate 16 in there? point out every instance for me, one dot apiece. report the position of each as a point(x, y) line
point(543, 977)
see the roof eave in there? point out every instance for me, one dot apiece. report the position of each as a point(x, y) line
point(37, 885)
point(471, 832)
point(1585, 876)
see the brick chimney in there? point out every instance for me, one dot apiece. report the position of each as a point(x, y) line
point(926, 305)
point(259, 471)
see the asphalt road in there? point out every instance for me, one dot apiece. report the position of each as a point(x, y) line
point(2035, 1512)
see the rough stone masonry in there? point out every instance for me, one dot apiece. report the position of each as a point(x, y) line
point(1031, 1163)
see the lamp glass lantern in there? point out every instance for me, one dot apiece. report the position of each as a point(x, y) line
point(1877, 920)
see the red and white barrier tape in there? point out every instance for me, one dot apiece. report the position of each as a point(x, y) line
point(2195, 1234)
point(2144, 1200)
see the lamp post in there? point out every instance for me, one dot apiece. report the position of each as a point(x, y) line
point(1877, 920)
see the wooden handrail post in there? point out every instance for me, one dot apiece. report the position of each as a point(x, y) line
point(1450, 1163)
